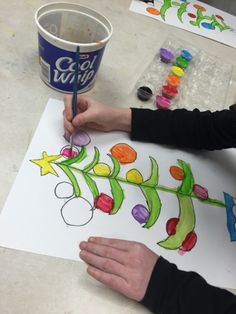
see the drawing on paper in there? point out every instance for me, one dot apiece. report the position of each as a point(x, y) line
point(194, 16)
point(197, 14)
point(78, 211)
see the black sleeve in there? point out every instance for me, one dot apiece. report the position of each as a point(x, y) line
point(185, 129)
point(172, 291)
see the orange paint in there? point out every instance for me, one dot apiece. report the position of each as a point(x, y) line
point(173, 80)
point(177, 173)
point(199, 7)
point(124, 153)
point(152, 11)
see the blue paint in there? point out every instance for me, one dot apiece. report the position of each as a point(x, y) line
point(186, 55)
point(208, 25)
point(231, 218)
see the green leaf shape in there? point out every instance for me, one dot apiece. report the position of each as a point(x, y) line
point(118, 195)
point(153, 203)
point(187, 184)
point(154, 177)
point(182, 10)
point(166, 5)
point(95, 160)
point(91, 184)
point(116, 166)
point(77, 159)
point(72, 178)
point(185, 225)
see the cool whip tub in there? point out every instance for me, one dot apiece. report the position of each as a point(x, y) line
point(61, 28)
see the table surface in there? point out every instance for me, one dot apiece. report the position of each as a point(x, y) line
point(37, 284)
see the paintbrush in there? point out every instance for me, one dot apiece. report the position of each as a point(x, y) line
point(75, 90)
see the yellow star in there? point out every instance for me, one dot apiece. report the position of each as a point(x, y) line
point(45, 165)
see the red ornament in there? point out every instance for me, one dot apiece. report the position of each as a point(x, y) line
point(193, 16)
point(220, 17)
point(189, 242)
point(104, 202)
point(171, 226)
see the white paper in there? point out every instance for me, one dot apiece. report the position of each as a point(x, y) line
point(197, 17)
point(31, 219)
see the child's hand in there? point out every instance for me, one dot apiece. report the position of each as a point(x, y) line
point(95, 115)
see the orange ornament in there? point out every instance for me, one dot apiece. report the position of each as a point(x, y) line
point(153, 11)
point(177, 173)
point(124, 153)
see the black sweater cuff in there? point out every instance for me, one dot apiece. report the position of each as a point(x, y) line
point(173, 291)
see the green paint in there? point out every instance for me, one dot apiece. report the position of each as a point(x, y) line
point(153, 179)
point(72, 178)
point(91, 184)
point(166, 6)
point(177, 4)
point(118, 195)
point(199, 19)
point(185, 225)
point(95, 161)
point(182, 9)
point(215, 23)
point(116, 167)
point(153, 203)
point(187, 184)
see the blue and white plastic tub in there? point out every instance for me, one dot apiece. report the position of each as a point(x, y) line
point(61, 28)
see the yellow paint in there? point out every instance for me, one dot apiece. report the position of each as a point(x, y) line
point(177, 71)
point(45, 163)
point(102, 169)
point(134, 176)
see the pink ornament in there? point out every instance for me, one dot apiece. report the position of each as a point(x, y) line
point(200, 191)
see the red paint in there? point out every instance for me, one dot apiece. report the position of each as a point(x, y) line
point(169, 91)
point(104, 202)
point(189, 242)
point(171, 226)
point(220, 17)
point(193, 16)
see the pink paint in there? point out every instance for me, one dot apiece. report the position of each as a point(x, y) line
point(66, 153)
point(162, 102)
point(200, 191)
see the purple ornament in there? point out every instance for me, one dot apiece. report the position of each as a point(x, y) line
point(166, 55)
point(140, 213)
point(80, 138)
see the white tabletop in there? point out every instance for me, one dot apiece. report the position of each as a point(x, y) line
point(36, 284)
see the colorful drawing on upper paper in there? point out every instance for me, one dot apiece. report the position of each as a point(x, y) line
point(193, 16)
point(78, 211)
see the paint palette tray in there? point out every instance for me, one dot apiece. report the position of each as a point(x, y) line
point(204, 85)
